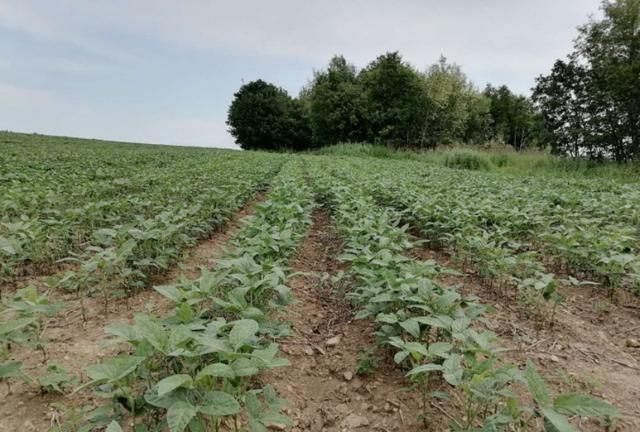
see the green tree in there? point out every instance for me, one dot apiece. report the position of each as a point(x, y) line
point(561, 97)
point(514, 119)
point(264, 117)
point(393, 100)
point(337, 104)
point(591, 102)
point(452, 109)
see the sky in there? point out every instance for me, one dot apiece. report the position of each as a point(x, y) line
point(165, 71)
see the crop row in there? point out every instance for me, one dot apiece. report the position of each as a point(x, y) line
point(433, 331)
point(585, 227)
point(512, 230)
point(61, 204)
point(196, 370)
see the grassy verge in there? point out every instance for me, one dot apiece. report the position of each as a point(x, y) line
point(503, 160)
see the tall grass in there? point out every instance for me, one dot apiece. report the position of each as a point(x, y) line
point(501, 159)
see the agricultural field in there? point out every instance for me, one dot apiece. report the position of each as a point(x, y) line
point(150, 288)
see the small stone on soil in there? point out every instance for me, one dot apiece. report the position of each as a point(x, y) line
point(348, 375)
point(354, 421)
point(333, 341)
point(633, 343)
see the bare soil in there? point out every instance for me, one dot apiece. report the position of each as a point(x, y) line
point(586, 350)
point(75, 344)
point(322, 385)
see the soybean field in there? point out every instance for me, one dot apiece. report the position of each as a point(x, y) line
point(152, 288)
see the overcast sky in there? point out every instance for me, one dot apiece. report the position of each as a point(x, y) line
point(164, 71)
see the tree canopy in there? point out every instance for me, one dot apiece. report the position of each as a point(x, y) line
point(587, 105)
point(590, 102)
point(263, 116)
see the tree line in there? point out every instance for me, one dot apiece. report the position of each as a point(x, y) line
point(388, 102)
point(588, 105)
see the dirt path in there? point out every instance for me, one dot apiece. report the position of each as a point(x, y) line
point(324, 391)
point(75, 344)
point(586, 350)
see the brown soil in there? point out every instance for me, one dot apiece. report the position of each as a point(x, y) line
point(321, 385)
point(586, 349)
point(75, 344)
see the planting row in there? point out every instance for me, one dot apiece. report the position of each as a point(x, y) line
point(512, 228)
point(588, 228)
point(433, 331)
point(60, 202)
point(196, 370)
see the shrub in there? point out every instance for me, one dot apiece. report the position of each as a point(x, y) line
point(467, 160)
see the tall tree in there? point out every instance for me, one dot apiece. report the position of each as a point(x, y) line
point(393, 99)
point(602, 76)
point(513, 118)
point(452, 109)
point(562, 97)
point(337, 104)
point(263, 116)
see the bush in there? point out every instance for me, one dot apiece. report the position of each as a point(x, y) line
point(467, 160)
point(500, 160)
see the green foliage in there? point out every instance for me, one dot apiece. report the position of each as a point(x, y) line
point(337, 105)
point(388, 102)
point(430, 326)
point(264, 117)
point(554, 410)
point(56, 380)
point(121, 212)
point(452, 109)
point(590, 102)
point(514, 119)
point(393, 92)
point(467, 160)
point(367, 362)
point(197, 367)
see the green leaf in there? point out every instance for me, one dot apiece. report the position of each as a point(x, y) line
point(424, 369)
point(256, 426)
point(179, 415)
point(536, 385)
point(242, 331)
point(244, 367)
point(113, 427)
point(440, 349)
point(113, 369)
point(583, 405)
point(387, 318)
point(400, 356)
point(217, 370)
point(153, 332)
point(13, 325)
point(557, 420)
point(412, 327)
point(10, 369)
point(170, 291)
point(197, 425)
point(452, 369)
point(184, 313)
point(218, 404)
point(173, 382)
